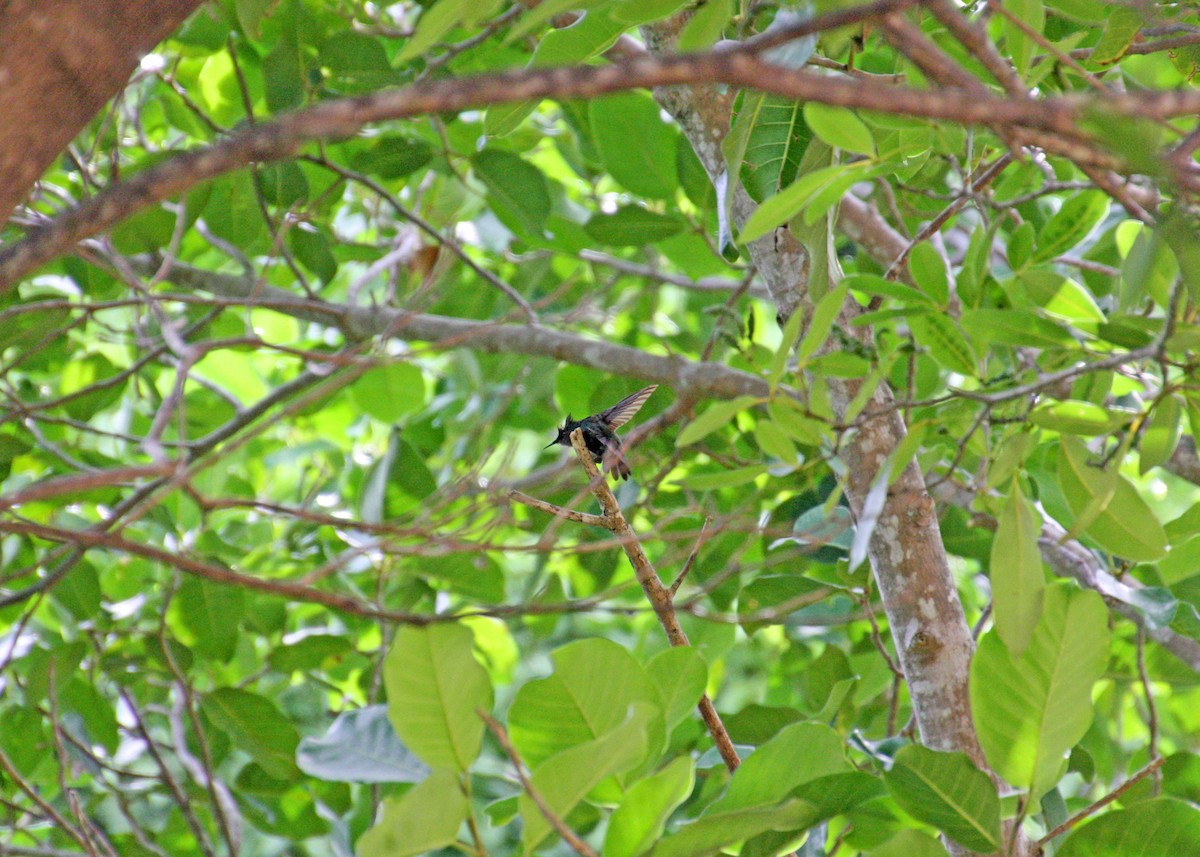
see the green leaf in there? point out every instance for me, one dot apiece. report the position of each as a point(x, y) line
point(311, 248)
point(439, 19)
point(211, 612)
point(1030, 710)
point(1120, 28)
point(565, 779)
point(389, 392)
point(776, 137)
point(790, 201)
point(647, 167)
point(1126, 526)
point(774, 441)
point(392, 157)
point(360, 747)
point(1020, 47)
point(1150, 828)
point(705, 25)
point(722, 478)
point(873, 284)
point(1073, 416)
point(594, 683)
point(910, 843)
point(798, 753)
point(639, 821)
point(1161, 434)
point(255, 726)
point(1018, 581)
point(679, 674)
point(518, 190)
point(426, 818)
point(631, 226)
point(1015, 327)
point(1072, 223)
point(821, 324)
point(947, 791)
point(840, 127)
point(434, 686)
point(717, 415)
point(928, 270)
point(945, 342)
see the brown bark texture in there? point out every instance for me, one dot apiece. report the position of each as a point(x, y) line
point(60, 62)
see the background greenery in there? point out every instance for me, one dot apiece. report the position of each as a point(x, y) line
point(284, 571)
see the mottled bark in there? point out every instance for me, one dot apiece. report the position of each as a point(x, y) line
point(60, 62)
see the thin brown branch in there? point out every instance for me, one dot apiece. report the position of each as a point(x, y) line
point(281, 139)
point(78, 482)
point(560, 827)
point(658, 595)
point(558, 511)
point(1104, 801)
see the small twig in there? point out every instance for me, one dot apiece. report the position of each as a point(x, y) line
point(560, 827)
point(558, 511)
point(658, 595)
point(687, 566)
point(1151, 710)
point(1104, 801)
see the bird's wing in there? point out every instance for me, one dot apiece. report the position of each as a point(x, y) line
point(623, 411)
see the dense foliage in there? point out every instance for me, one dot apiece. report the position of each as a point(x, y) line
point(263, 569)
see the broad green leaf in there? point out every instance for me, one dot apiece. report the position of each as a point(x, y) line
point(639, 821)
point(717, 415)
point(821, 324)
point(1161, 435)
point(534, 17)
point(212, 614)
point(928, 270)
point(1149, 268)
point(1072, 416)
point(434, 686)
point(1120, 28)
point(1072, 223)
point(790, 201)
point(722, 478)
point(947, 791)
point(360, 747)
point(426, 818)
point(680, 675)
point(802, 428)
point(518, 190)
point(715, 831)
point(1126, 526)
point(594, 683)
point(945, 342)
point(647, 167)
point(1018, 581)
point(564, 779)
point(1015, 327)
point(1061, 297)
point(909, 843)
point(389, 392)
point(1150, 828)
point(1020, 47)
point(774, 441)
point(439, 19)
point(798, 753)
point(1030, 710)
point(775, 142)
point(873, 284)
point(631, 226)
point(705, 26)
point(255, 726)
point(840, 127)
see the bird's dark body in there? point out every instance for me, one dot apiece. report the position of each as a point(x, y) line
point(600, 435)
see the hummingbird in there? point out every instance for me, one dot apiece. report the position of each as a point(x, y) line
point(599, 431)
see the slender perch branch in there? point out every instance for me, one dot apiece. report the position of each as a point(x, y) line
point(560, 827)
point(660, 597)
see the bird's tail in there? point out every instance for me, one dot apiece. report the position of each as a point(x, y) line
point(616, 463)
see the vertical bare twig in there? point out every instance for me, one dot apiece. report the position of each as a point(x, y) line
point(659, 596)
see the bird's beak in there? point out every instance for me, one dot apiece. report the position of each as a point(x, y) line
point(550, 444)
